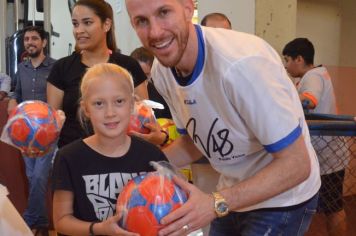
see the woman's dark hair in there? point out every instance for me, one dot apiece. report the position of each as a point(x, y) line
point(104, 11)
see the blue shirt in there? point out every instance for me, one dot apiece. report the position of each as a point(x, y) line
point(31, 82)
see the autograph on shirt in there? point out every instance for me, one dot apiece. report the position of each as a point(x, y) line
point(217, 140)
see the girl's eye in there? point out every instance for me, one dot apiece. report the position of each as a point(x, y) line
point(87, 22)
point(119, 101)
point(98, 103)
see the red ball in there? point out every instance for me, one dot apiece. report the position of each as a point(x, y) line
point(141, 116)
point(33, 127)
point(145, 200)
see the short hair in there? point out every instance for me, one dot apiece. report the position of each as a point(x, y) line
point(141, 54)
point(300, 47)
point(215, 15)
point(42, 33)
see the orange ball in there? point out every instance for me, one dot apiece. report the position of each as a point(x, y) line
point(33, 127)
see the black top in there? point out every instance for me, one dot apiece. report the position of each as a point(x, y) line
point(97, 180)
point(67, 74)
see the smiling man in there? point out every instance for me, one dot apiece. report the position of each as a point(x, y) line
point(232, 101)
point(31, 84)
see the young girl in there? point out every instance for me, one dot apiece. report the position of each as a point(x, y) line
point(94, 33)
point(90, 173)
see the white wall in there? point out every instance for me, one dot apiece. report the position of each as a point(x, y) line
point(320, 21)
point(276, 21)
point(240, 12)
point(126, 37)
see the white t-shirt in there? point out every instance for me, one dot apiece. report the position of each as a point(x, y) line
point(332, 152)
point(239, 107)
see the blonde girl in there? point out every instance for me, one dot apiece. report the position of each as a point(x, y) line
point(90, 173)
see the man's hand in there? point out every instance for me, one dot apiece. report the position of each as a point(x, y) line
point(155, 136)
point(196, 213)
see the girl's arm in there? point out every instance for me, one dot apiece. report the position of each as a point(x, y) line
point(66, 223)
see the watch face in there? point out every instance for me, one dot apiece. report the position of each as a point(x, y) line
point(222, 207)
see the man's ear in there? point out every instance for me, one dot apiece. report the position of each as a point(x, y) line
point(188, 8)
point(44, 43)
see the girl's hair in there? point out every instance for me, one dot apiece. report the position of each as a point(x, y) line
point(104, 11)
point(103, 71)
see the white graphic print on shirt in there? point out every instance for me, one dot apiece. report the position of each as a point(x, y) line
point(103, 189)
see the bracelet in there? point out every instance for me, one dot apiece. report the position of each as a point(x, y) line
point(91, 231)
point(166, 139)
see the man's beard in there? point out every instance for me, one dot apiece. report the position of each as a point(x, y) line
point(34, 54)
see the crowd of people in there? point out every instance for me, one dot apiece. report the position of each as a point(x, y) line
point(223, 90)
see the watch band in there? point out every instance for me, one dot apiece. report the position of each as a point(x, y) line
point(220, 205)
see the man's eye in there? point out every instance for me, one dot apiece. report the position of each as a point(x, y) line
point(141, 22)
point(163, 12)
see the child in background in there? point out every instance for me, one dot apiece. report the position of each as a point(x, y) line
point(316, 93)
point(89, 174)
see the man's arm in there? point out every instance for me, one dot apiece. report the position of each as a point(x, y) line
point(182, 151)
point(16, 96)
point(290, 167)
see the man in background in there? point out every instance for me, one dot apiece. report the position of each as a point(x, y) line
point(31, 84)
point(216, 20)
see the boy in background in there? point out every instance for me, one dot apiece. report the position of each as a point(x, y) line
point(316, 93)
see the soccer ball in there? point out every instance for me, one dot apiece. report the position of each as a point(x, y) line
point(142, 115)
point(145, 200)
point(33, 127)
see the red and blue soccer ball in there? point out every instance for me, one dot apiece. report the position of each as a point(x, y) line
point(142, 115)
point(33, 127)
point(145, 200)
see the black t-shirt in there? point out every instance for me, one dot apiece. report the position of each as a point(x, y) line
point(97, 180)
point(67, 74)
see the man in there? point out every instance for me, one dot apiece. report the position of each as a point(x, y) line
point(230, 95)
point(216, 20)
point(5, 84)
point(316, 91)
point(31, 84)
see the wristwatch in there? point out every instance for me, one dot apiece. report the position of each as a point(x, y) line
point(220, 205)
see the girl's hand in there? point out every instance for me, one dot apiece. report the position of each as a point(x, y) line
point(111, 227)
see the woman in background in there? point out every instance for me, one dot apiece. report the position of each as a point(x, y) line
point(93, 29)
